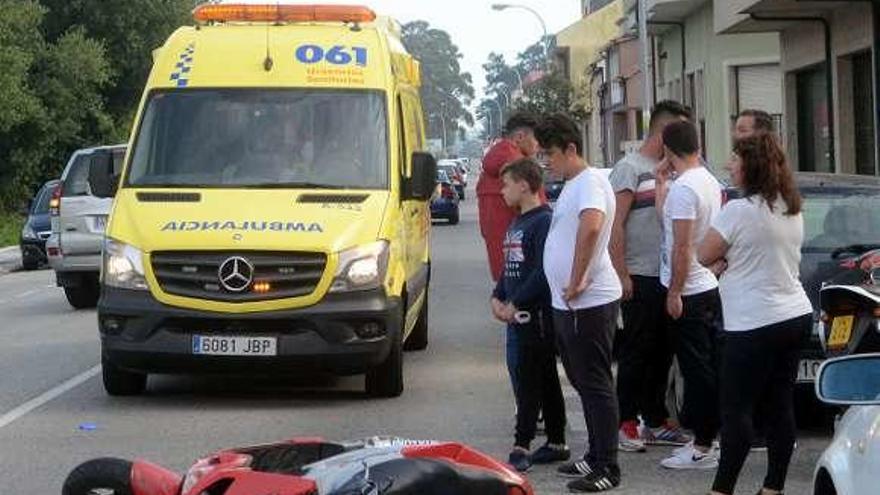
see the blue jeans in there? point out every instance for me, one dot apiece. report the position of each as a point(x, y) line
point(513, 359)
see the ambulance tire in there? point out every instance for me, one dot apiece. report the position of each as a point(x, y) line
point(385, 381)
point(99, 476)
point(418, 338)
point(120, 382)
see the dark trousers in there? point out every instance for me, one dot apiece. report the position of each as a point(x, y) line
point(585, 339)
point(758, 374)
point(538, 382)
point(644, 354)
point(696, 337)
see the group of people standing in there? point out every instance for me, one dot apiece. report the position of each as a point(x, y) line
point(713, 285)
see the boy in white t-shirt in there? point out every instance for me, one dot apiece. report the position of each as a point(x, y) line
point(687, 206)
point(585, 292)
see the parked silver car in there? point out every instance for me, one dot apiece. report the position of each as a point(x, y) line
point(78, 223)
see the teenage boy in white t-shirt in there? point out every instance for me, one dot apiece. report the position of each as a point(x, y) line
point(585, 293)
point(689, 204)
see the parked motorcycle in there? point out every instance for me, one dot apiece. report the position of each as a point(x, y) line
point(851, 310)
point(311, 466)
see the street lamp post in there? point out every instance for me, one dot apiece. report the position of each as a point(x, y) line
point(443, 123)
point(500, 113)
point(647, 87)
point(544, 40)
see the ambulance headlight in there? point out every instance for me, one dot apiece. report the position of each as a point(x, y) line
point(123, 266)
point(361, 268)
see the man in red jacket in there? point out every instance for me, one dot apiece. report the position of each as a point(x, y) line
point(495, 216)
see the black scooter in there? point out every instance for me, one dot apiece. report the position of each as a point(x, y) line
point(851, 311)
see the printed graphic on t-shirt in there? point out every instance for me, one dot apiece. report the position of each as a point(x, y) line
point(513, 253)
point(645, 192)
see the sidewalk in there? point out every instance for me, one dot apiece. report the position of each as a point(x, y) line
point(10, 259)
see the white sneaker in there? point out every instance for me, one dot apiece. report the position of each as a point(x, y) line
point(688, 457)
point(716, 446)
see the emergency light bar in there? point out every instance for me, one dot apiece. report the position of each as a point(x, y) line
point(234, 12)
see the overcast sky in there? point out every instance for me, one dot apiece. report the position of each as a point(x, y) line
point(474, 26)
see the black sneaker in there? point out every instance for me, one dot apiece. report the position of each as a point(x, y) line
point(548, 454)
point(575, 469)
point(520, 461)
point(600, 480)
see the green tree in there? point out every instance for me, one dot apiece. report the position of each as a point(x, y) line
point(446, 90)
point(553, 93)
point(130, 30)
point(53, 99)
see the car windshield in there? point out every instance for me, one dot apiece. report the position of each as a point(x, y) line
point(260, 138)
point(839, 217)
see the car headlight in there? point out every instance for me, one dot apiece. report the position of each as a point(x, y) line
point(361, 268)
point(123, 266)
point(27, 232)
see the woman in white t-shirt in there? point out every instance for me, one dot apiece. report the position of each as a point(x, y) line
point(766, 312)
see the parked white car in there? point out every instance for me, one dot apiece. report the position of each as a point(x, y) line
point(851, 464)
point(78, 221)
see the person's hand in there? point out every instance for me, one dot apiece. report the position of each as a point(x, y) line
point(663, 171)
point(509, 313)
point(626, 283)
point(674, 305)
point(719, 267)
point(498, 309)
point(573, 291)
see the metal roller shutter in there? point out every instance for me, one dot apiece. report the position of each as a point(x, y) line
point(760, 88)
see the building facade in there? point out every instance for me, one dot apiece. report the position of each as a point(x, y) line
point(829, 81)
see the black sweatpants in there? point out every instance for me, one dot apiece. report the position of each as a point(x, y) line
point(644, 354)
point(758, 374)
point(538, 381)
point(585, 339)
point(696, 337)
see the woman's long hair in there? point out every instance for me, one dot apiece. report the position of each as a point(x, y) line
point(765, 171)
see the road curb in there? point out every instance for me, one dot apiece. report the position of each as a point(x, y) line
point(8, 249)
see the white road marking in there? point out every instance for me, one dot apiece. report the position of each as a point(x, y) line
point(26, 294)
point(36, 402)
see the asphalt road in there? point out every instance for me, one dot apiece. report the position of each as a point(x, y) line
point(54, 413)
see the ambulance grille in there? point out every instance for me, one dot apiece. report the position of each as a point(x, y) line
point(264, 276)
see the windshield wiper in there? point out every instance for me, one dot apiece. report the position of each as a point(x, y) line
point(291, 185)
point(854, 249)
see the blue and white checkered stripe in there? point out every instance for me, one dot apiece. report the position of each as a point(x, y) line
point(183, 66)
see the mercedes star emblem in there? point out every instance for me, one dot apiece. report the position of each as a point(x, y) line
point(236, 274)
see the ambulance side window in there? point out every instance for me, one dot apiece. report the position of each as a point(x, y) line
point(401, 124)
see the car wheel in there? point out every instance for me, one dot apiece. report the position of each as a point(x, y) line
point(824, 485)
point(454, 218)
point(30, 264)
point(386, 379)
point(120, 382)
point(107, 475)
point(418, 338)
point(85, 294)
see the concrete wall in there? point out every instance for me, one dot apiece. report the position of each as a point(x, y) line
point(727, 13)
point(803, 46)
point(715, 55)
point(585, 38)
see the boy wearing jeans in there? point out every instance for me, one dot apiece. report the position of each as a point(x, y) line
point(522, 299)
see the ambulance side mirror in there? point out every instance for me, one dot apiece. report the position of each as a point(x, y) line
point(102, 179)
point(423, 180)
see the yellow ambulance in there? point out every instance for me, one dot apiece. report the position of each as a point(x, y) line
point(272, 215)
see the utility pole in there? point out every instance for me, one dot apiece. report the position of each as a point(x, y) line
point(647, 85)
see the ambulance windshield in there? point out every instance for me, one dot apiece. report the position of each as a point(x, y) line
point(236, 138)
